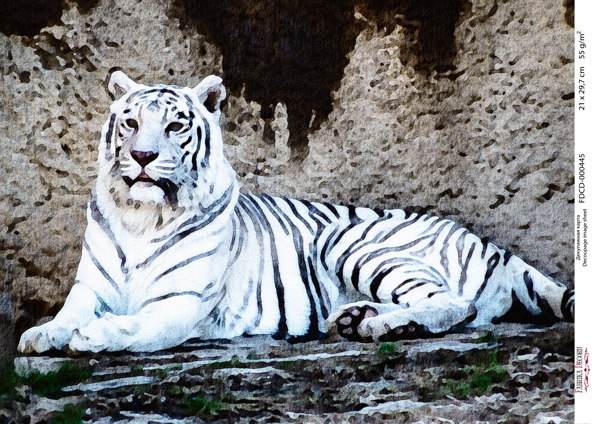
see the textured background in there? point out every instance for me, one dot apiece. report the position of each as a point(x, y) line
point(459, 108)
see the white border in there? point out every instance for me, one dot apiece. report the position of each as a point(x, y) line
point(587, 274)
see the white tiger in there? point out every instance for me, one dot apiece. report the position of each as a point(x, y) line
point(173, 251)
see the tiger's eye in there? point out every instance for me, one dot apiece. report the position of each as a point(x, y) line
point(174, 127)
point(131, 123)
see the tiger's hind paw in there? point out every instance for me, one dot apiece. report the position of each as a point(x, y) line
point(412, 330)
point(368, 322)
point(346, 324)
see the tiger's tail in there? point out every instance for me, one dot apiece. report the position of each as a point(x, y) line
point(536, 298)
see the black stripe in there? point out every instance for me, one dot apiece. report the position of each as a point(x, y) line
point(465, 269)
point(185, 293)
point(199, 145)
point(376, 282)
point(296, 214)
point(282, 331)
point(100, 268)
point(109, 132)
point(204, 162)
point(529, 284)
point(325, 248)
point(332, 208)
point(400, 227)
point(398, 262)
point(460, 246)
point(166, 90)
point(234, 232)
point(396, 296)
point(189, 101)
point(275, 214)
point(507, 256)
point(491, 266)
point(444, 261)
point(484, 243)
point(430, 295)
point(315, 211)
point(316, 215)
point(313, 276)
point(225, 197)
point(435, 220)
point(184, 156)
point(184, 263)
point(170, 189)
point(142, 92)
point(566, 305)
point(103, 305)
point(185, 143)
point(239, 236)
point(407, 281)
point(105, 226)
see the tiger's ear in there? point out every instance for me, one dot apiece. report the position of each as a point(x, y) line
point(211, 92)
point(119, 84)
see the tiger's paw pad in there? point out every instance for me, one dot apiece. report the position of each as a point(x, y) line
point(412, 330)
point(347, 323)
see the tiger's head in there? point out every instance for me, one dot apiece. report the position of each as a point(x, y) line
point(162, 146)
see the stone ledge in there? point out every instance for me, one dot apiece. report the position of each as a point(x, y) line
point(504, 373)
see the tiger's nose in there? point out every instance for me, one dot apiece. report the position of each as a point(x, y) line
point(143, 158)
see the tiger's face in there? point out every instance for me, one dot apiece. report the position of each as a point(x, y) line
point(162, 145)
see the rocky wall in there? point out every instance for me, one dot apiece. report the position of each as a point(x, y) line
point(466, 113)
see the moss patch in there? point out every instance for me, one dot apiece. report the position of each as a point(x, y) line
point(202, 406)
point(72, 414)
point(50, 385)
point(471, 380)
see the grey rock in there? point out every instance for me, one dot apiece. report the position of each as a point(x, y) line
point(7, 329)
point(509, 373)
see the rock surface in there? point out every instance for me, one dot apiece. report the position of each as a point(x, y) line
point(507, 373)
point(486, 140)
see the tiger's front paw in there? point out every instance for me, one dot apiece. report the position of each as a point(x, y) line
point(110, 333)
point(43, 338)
point(86, 343)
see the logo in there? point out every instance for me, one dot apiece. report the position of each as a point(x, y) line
point(582, 370)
